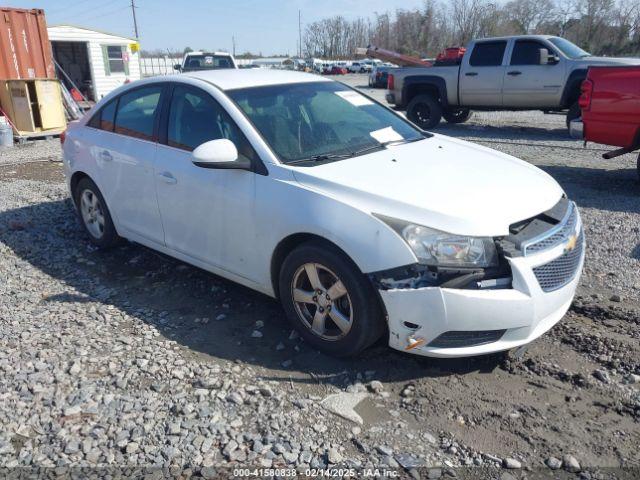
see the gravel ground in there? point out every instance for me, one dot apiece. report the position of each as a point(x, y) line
point(127, 358)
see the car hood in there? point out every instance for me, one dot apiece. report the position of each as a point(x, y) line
point(609, 61)
point(440, 182)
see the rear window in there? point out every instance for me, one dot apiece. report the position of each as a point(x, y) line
point(208, 62)
point(487, 54)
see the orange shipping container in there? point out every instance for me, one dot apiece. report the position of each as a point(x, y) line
point(25, 51)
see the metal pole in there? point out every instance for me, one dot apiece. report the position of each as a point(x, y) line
point(299, 35)
point(233, 42)
point(135, 22)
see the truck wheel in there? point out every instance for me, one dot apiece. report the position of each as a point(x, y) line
point(457, 115)
point(425, 111)
point(573, 113)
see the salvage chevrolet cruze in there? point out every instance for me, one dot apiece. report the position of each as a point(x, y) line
point(306, 190)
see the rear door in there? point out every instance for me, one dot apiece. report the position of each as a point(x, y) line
point(529, 84)
point(123, 140)
point(482, 74)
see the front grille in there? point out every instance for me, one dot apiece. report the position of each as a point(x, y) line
point(472, 338)
point(559, 272)
point(557, 235)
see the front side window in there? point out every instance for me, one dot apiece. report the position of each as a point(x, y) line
point(527, 52)
point(115, 58)
point(195, 118)
point(137, 111)
point(319, 120)
point(487, 54)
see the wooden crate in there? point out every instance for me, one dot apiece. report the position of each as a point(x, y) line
point(34, 106)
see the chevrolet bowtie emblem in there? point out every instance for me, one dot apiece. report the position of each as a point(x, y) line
point(571, 243)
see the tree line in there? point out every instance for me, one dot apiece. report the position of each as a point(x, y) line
point(601, 27)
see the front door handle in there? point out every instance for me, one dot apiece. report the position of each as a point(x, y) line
point(471, 74)
point(514, 73)
point(168, 178)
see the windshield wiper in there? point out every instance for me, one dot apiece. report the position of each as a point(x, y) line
point(337, 156)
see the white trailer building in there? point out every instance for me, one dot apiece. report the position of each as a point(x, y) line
point(97, 62)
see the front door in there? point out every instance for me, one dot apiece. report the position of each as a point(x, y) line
point(481, 75)
point(529, 84)
point(207, 214)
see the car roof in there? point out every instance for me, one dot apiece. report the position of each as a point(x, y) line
point(517, 37)
point(229, 79)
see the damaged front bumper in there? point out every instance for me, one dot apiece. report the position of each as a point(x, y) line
point(456, 322)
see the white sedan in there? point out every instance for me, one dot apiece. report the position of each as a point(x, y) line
point(306, 190)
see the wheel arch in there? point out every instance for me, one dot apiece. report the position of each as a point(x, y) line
point(571, 91)
point(291, 242)
point(75, 179)
point(424, 84)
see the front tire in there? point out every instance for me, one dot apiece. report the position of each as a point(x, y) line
point(457, 115)
point(94, 214)
point(329, 301)
point(425, 111)
point(573, 113)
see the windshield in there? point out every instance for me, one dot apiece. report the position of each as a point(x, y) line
point(316, 120)
point(207, 62)
point(568, 48)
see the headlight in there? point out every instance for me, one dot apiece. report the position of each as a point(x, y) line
point(441, 249)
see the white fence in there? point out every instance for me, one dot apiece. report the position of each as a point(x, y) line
point(150, 66)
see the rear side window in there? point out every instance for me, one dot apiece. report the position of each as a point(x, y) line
point(136, 112)
point(526, 52)
point(487, 54)
point(103, 120)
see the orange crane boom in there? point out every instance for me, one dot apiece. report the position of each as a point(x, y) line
point(393, 57)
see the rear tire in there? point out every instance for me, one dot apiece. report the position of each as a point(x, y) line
point(573, 113)
point(425, 111)
point(457, 115)
point(318, 284)
point(94, 215)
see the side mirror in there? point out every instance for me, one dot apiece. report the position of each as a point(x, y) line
point(177, 67)
point(546, 58)
point(220, 153)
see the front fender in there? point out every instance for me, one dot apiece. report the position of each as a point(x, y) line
point(294, 208)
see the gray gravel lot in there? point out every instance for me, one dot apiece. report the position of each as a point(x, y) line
point(130, 358)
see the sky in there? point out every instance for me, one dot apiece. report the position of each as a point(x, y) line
point(259, 26)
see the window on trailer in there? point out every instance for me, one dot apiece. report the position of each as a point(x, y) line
point(115, 59)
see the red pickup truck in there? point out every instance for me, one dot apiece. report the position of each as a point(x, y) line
point(610, 104)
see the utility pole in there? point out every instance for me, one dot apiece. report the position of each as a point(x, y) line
point(299, 34)
point(233, 42)
point(135, 22)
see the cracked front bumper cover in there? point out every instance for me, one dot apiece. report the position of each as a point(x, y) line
point(418, 316)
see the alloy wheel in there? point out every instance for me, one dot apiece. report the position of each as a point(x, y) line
point(92, 213)
point(322, 302)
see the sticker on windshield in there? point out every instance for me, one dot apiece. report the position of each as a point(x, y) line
point(354, 98)
point(385, 135)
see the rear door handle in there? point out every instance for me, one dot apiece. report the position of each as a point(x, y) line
point(513, 73)
point(106, 155)
point(471, 74)
point(168, 178)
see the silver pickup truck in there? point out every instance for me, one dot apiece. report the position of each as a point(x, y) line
point(526, 72)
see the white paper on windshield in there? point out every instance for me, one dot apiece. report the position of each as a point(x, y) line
point(354, 98)
point(386, 135)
